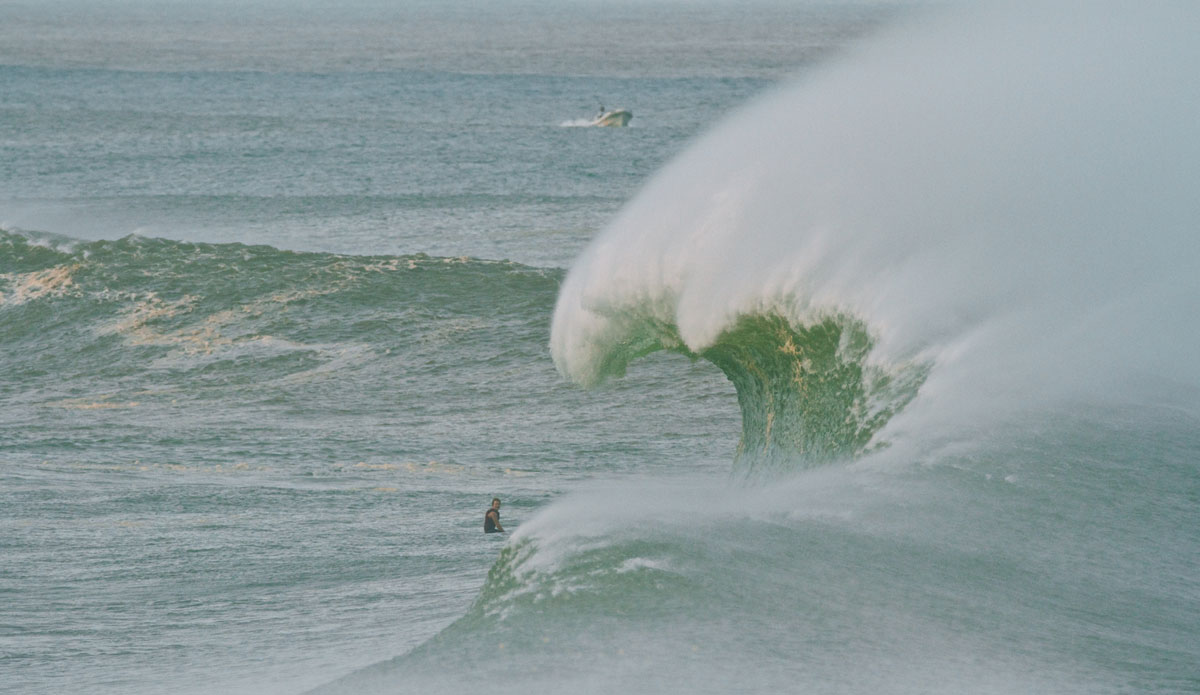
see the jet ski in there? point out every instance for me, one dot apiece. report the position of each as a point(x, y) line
point(617, 118)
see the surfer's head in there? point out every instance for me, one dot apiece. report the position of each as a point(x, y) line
point(495, 503)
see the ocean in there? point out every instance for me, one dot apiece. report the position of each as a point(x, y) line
point(861, 361)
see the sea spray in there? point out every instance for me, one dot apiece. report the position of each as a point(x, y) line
point(999, 201)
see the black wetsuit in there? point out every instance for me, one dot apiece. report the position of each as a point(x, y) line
point(489, 526)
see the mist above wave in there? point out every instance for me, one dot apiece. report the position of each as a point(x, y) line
point(1008, 195)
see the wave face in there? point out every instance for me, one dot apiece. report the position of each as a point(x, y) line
point(940, 213)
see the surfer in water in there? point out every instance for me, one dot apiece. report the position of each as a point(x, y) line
point(491, 518)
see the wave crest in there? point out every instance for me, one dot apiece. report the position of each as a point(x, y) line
point(926, 201)
point(808, 391)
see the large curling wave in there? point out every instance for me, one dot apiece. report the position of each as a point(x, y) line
point(939, 214)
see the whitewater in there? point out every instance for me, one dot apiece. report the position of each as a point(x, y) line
point(879, 378)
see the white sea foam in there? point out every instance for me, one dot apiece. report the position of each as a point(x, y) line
point(39, 284)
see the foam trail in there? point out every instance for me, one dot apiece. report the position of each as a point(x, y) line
point(1008, 196)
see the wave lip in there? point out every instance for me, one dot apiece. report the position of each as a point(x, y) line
point(808, 391)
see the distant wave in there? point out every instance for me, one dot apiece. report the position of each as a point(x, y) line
point(104, 307)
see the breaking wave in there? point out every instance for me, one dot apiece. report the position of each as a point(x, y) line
point(935, 228)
